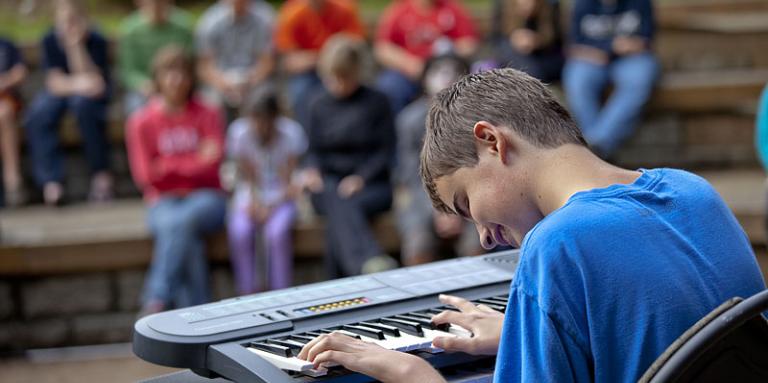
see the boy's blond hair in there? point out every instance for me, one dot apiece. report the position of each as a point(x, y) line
point(504, 97)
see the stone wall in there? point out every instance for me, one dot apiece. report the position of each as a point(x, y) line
point(92, 308)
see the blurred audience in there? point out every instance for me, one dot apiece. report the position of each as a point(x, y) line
point(422, 229)
point(76, 64)
point(12, 74)
point(175, 146)
point(155, 24)
point(411, 31)
point(234, 47)
point(267, 148)
point(527, 37)
point(302, 28)
point(610, 44)
point(351, 149)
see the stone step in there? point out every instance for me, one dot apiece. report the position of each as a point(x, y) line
point(91, 238)
point(38, 240)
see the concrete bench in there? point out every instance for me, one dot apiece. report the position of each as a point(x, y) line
point(81, 238)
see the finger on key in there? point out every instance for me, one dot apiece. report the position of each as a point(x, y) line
point(485, 308)
point(334, 341)
point(460, 303)
point(467, 345)
point(329, 357)
point(453, 317)
point(303, 354)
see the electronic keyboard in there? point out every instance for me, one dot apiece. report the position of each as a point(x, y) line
point(256, 338)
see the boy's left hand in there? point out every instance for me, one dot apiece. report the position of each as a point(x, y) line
point(369, 359)
point(484, 322)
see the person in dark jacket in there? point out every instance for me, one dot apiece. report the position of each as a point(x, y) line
point(351, 147)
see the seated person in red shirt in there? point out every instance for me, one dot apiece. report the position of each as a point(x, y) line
point(175, 146)
point(410, 32)
point(302, 28)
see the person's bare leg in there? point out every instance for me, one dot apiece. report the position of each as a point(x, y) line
point(9, 151)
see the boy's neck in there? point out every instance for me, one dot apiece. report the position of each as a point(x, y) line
point(562, 172)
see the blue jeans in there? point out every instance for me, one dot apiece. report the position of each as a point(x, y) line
point(301, 88)
point(178, 274)
point(400, 90)
point(42, 121)
point(606, 126)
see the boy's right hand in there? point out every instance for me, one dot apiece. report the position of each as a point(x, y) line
point(484, 322)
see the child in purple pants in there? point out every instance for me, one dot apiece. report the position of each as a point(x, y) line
point(266, 147)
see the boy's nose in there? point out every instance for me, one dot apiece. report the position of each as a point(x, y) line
point(486, 238)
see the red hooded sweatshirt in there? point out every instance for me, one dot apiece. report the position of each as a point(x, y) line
point(164, 149)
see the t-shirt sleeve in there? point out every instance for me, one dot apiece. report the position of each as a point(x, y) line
point(647, 21)
point(536, 348)
point(761, 131)
point(99, 52)
point(52, 57)
point(284, 38)
point(13, 56)
point(354, 24)
point(387, 29)
point(295, 139)
point(204, 34)
point(464, 27)
point(235, 141)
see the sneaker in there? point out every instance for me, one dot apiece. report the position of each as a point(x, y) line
point(101, 188)
point(382, 262)
point(53, 193)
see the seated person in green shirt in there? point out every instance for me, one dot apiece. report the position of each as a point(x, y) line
point(154, 25)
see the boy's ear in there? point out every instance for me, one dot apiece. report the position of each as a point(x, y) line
point(490, 139)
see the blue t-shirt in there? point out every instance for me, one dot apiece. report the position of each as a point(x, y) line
point(608, 281)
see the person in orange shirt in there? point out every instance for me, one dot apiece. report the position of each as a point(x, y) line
point(302, 28)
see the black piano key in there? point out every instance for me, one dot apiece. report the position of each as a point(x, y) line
point(421, 315)
point(501, 301)
point(273, 349)
point(407, 326)
point(365, 331)
point(435, 311)
point(492, 305)
point(294, 346)
point(387, 329)
point(301, 338)
point(330, 330)
point(448, 307)
point(425, 322)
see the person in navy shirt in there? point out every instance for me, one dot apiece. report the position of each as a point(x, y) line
point(12, 74)
point(76, 64)
point(615, 264)
point(610, 43)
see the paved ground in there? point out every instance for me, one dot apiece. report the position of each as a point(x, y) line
point(108, 363)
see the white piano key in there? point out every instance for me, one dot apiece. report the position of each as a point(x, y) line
point(290, 364)
point(460, 331)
